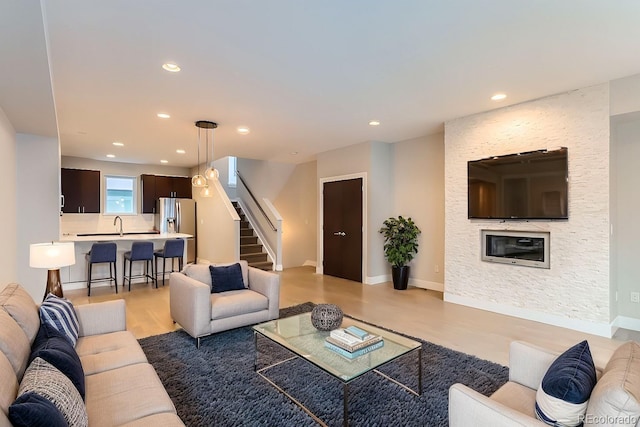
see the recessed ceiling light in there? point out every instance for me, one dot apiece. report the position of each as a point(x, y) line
point(243, 130)
point(164, 161)
point(374, 123)
point(111, 156)
point(163, 115)
point(294, 153)
point(498, 97)
point(180, 151)
point(118, 144)
point(171, 67)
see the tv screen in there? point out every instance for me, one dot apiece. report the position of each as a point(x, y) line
point(531, 185)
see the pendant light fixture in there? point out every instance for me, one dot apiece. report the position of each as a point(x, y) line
point(198, 180)
point(211, 173)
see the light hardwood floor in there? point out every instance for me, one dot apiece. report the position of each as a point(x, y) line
point(417, 312)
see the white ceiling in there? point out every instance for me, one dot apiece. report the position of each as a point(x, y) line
point(306, 76)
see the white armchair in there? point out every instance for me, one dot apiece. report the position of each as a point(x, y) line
point(202, 313)
point(512, 404)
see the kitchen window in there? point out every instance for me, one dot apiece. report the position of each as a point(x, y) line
point(120, 195)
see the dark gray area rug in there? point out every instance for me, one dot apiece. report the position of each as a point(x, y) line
point(216, 385)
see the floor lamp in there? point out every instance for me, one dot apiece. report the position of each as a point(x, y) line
point(52, 256)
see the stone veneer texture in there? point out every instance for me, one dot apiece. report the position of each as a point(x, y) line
point(577, 284)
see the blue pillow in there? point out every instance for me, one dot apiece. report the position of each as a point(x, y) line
point(227, 278)
point(55, 348)
point(563, 396)
point(59, 313)
point(32, 410)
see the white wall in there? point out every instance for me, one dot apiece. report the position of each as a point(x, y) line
point(8, 215)
point(626, 176)
point(625, 95)
point(419, 194)
point(38, 204)
point(575, 291)
point(218, 226)
point(297, 204)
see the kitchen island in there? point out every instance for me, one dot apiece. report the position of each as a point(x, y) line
point(75, 276)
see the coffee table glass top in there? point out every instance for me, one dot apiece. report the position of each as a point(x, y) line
point(298, 335)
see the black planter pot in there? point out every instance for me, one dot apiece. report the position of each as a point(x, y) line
point(400, 277)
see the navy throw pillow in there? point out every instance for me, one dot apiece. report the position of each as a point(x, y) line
point(227, 278)
point(563, 396)
point(32, 410)
point(54, 347)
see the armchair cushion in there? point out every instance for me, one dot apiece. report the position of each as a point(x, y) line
point(226, 278)
point(564, 393)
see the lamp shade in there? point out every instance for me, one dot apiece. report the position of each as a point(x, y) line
point(52, 255)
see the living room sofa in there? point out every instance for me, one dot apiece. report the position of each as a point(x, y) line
point(121, 387)
point(614, 401)
point(202, 312)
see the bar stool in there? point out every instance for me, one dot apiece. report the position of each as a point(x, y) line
point(173, 248)
point(102, 252)
point(140, 251)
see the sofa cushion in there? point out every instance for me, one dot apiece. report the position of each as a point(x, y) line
point(201, 272)
point(43, 379)
point(55, 348)
point(123, 395)
point(616, 395)
point(234, 303)
point(19, 304)
point(165, 419)
point(99, 353)
point(563, 396)
point(59, 313)
point(14, 344)
point(226, 278)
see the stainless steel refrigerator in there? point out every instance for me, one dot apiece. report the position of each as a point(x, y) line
point(178, 216)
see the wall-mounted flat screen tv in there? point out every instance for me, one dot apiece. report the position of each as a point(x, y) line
point(531, 185)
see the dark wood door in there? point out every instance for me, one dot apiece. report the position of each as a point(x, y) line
point(342, 234)
point(81, 190)
point(90, 188)
point(182, 187)
point(148, 186)
point(164, 186)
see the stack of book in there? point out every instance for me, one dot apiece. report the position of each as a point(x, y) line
point(352, 342)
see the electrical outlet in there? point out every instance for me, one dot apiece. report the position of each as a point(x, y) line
point(436, 268)
point(635, 297)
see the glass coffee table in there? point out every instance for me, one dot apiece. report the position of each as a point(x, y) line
point(298, 335)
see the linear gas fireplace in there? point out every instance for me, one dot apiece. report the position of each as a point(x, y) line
point(530, 249)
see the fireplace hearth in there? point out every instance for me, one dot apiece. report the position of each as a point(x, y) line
point(523, 248)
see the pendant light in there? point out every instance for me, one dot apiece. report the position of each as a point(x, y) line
point(198, 180)
point(211, 173)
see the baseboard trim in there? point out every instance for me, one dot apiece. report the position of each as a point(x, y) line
point(600, 329)
point(377, 280)
point(427, 284)
point(625, 322)
point(310, 263)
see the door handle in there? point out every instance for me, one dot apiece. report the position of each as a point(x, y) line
point(339, 233)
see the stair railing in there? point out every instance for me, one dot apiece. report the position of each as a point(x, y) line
point(269, 233)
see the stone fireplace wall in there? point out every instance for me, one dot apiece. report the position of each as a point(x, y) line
point(574, 292)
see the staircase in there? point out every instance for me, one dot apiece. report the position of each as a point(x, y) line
point(250, 247)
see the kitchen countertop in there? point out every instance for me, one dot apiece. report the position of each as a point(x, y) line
point(108, 237)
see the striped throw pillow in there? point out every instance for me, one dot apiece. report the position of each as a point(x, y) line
point(59, 313)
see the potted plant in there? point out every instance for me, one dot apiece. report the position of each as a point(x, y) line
point(400, 246)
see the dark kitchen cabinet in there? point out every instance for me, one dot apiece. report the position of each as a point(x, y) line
point(80, 190)
point(156, 186)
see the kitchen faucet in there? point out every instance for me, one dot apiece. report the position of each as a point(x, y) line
point(114, 223)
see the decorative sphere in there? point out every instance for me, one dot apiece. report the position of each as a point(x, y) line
point(326, 317)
